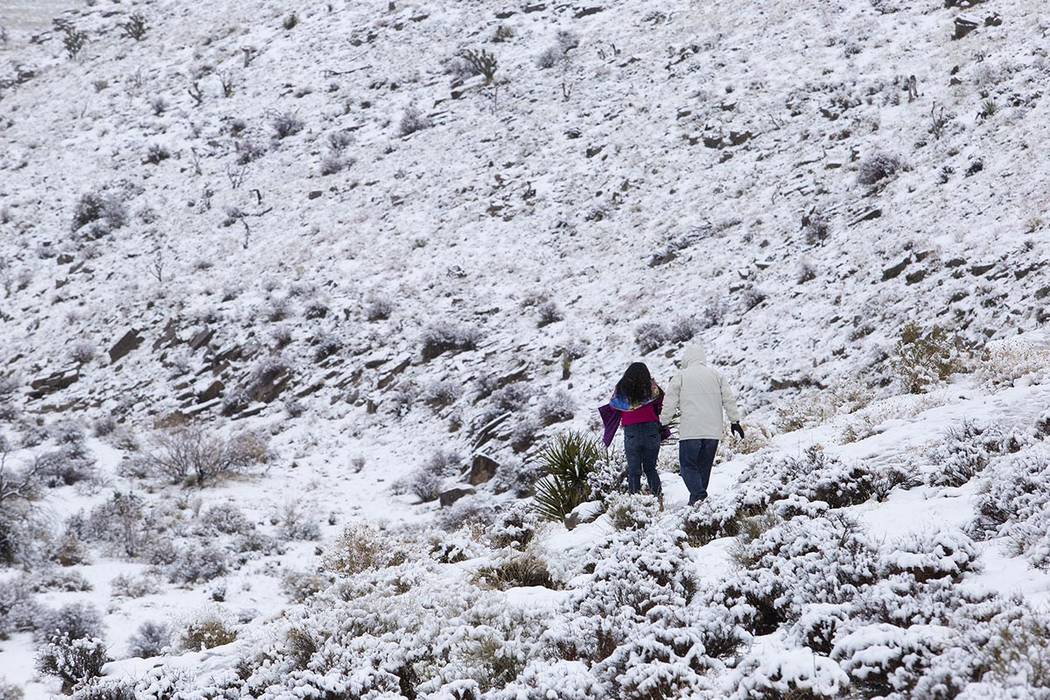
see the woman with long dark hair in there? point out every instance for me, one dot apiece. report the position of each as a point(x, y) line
point(636, 405)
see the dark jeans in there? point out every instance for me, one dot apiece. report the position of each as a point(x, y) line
point(641, 443)
point(695, 458)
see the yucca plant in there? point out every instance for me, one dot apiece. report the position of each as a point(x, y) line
point(567, 462)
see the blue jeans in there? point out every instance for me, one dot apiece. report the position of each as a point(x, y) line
point(695, 458)
point(641, 444)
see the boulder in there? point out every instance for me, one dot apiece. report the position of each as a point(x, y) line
point(449, 497)
point(584, 513)
point(963, 26)
point(895, 270)
point(128, 342)
point(482, 469)
point(168, 336)
point(211, 392)
point(54, 382)
point(201, 338)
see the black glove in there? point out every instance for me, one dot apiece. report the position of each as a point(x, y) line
point(737, 430)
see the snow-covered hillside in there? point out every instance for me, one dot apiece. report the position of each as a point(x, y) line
point(294, 297)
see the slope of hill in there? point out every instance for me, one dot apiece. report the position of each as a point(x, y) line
point(370, 252)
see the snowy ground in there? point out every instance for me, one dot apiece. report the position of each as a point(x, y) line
point(634, 176)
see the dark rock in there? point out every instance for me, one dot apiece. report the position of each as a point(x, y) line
point(914, 277)
point(538, 7)
point(168, 336)
point(955, 262)
point(978, 270)
point(314, 194)
point(993, 20)
point(585, 11)
point(128, 342)
point(482, 469)
point(54, 382)
point(449, 497)
point(868, 215)
point(201, 338)
point(65, 259)
point(963, 26)
point(393, 374)
point(1042, 293)
point(713, 141)
point(488, 431)
point(738, 137)
point(213, 391)
point(894, 270)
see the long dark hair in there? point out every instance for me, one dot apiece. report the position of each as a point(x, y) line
point(636, 385)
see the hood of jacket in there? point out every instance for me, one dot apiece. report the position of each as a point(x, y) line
point(694, 355)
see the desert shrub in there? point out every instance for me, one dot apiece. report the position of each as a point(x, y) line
point(158, 105)
point(286, 124)
point(798, 674)
point(135, 27)
point(378, 307)
point(960, 455)
point(7, 690)
point(149, 640)
point(74, 661)
point(297, 525)
point(132, 586)
point(107, 690)
point(923, 357)
point(425, 484)
point(19, 609)
point(443, 393)
point(650, 336)
point(946, 553)
point(567, 462)
point(715, 517)
point(69, 550)
point(512, 397)
point(83, 352)
point(878, 167)
point(223, 518)
point(299, 586)
point(557, 407)
point(609, 475)
point(684, 329)
point(554, 54)
point(892, 477)
point(73, 40)
point(207, 630)
point(104, 426)
point(523, 434)
point(191, 453)
point(515, 526)
point(548, 313)
point(816, 226)
point(118, 520)
point(1002, 363)
point(818, 624)
point(525, 569)
point(1016, 491)
point(333, 164)
point(412, 120)
point(882, 659)
point(443, 337)
point(362, 547)
point(481, 62)
point(65, 467)
point(475, 513)
point(813, 475)
point(195, 562)
point(1016, 654)
point(249, 151)
point(98, 214)
point(155, 154)
point(71, 621)
point(631, 512)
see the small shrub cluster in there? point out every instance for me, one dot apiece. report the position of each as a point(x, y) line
point(206, 631)
point(98, 214)
point(924, 358)
point(149, 640)
point(194, 455)
point(631, 512)
point(443, 337)
point(412, 120)
point(878, 167)
point(525, 569)
point(363, 548)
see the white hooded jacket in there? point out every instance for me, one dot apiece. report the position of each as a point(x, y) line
point(701, 394)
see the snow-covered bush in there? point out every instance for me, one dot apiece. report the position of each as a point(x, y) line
point(65, 467)
point(818, 624)
point(118, 521)
point(300, 585)
point(297, 525)
point(19, 610)
point(47, 579)
point(946, 553)
point(150, 639)
point(98, 214)
point(476, 512)
point(548, 313)
point(133, 586)
point(525, 569)
point(9, 691)
point(74, 661)
point(711, 519)
point(926, 357)
point(959, 456)
point(442, 337)
point(378, 307)
point(195, 562)
point(192, 453)
point(222, 518)
point(882, 658)
point(286, 124)
point(632, 512)
point(543, 678)
point(514, 526)
point(828, 559)
point(107, 690)
point(557, 407)
point(608, 476)
point(425, 484)
point(1016, 490)
point(799, 674)
point(413, 119)
point(439, 394)
point(815, 475)
point(878, 167)
point(71, 621)
point(650, 336)
point(206, 630)
point(1002, 363)
point(362, 547)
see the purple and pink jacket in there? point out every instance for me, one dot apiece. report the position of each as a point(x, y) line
point(618, 412)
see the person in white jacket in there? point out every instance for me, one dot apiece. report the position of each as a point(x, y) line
point(701, 393)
